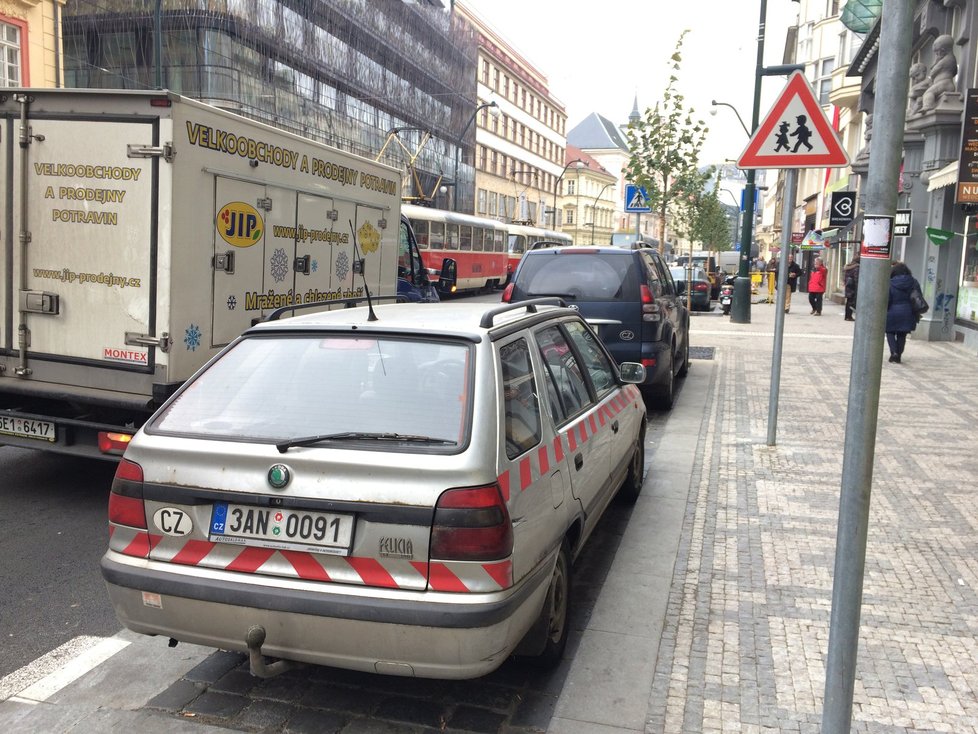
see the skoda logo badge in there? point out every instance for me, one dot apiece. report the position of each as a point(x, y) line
point(279, 476)
point(626, 335)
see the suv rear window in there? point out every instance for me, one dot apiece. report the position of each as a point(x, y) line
point(578, 276)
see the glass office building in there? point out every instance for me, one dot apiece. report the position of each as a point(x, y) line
point(344, 72)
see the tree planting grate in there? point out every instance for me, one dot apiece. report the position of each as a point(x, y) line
point(701, 352)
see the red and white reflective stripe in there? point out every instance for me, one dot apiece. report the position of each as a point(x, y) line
point(390, 573)
point(577, 434)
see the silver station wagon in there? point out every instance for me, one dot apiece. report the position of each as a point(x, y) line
point(399, 490)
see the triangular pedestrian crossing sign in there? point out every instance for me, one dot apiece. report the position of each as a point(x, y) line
point(795, 133)
point(637, 201)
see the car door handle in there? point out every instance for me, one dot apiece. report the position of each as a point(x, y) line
point(614, 426)
point(578, 461)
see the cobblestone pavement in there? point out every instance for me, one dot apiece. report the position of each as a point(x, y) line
point(746, 630)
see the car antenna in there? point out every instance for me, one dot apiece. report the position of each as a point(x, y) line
point(371, 316)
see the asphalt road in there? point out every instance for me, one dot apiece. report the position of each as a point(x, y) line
point(52, 533)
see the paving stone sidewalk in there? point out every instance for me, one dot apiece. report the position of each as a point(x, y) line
point(746, 626)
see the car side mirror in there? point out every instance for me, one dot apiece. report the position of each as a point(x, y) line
point(632, 372)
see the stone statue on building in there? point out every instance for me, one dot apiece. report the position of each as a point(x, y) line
point(919, 83)
point(863, 155)
point(942, 73)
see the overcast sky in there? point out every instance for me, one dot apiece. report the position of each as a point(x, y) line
point(598, 56)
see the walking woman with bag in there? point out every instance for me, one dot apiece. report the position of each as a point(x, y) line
point(901, 317)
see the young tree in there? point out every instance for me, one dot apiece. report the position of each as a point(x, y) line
point(710, 224)
point(665, 148)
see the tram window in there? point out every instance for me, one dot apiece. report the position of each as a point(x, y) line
point(451, 236)
point(500, 245)
point(437, 235)
point(478, 234)
point(465, 237)
point(517, 244)
point(420, 228)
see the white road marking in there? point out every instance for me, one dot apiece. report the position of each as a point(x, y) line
point(41, 679)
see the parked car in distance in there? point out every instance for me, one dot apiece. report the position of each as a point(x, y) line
point(698, 294)
point(399, 490)
point(628, 295)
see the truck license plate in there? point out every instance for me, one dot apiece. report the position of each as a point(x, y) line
point(27, 428)
point(282, 528)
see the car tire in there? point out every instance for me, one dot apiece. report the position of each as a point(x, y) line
point(684, 370)
point(554, 619)
point(631, 488)
point(660, 395)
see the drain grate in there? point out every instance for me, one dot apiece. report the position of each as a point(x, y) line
point(701, 352)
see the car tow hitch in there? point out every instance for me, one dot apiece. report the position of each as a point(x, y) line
point(259, 669)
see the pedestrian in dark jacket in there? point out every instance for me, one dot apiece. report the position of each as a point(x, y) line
point(794, 272)
point(816, 286)
point(900, 318)
point(850, 275)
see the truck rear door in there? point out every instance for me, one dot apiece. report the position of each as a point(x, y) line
point(91, 256)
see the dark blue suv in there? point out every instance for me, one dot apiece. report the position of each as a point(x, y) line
point(627, 295)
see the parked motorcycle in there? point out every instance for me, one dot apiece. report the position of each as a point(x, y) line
point(726, 294)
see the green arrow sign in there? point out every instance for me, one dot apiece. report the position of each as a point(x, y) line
point(939, 236)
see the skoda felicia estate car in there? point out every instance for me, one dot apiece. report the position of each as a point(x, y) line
point(628, 295)
point(398, 490)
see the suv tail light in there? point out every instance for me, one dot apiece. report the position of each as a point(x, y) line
point(508, 292)
point(650, 309)
point(126, 498)
point(471, 524)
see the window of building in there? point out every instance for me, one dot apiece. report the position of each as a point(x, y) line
point(494, 163)
point(10, 69)
point(570, 215)
point(831, 8)
point(485, 72)
point(523, 99)
point(483, 157)
point(522, 138)
point(570, 187)
point(505, 85)
point(481, 201)
point(493, 203)
point(824, 81)
point(495, 79)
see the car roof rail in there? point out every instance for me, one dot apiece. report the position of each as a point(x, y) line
point(488, 318)
point(278, 313)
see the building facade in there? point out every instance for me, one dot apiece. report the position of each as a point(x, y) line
point(587, 202)
point(31, 43)
point(519, 153)
point(351, 75)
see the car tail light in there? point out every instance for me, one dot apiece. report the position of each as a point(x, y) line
point(126, 499)
point(113, 443)
point(700, 286)
point(650, 309)
point(471, 524)
point(508, 292)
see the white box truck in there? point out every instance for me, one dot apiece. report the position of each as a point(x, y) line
point(143, 231)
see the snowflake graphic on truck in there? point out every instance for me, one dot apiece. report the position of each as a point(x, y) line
point(192, 337)
point(342, 265)
point(280, 264)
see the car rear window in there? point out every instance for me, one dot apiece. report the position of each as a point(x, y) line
point(283, 387)
point(578, 276)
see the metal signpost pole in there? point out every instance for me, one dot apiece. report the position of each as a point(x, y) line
point(790, 196)
point(892, 82)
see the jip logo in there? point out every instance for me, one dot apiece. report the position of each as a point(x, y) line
point(240, 224)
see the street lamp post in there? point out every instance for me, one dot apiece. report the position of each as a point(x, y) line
point(727, 104)
point(594, 208)
point(579, 163)
point(494, 111)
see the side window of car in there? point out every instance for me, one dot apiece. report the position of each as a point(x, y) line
point(595, 361)
point(520, 399)
point(652, 274)
point(668, 284)
point(570, 387)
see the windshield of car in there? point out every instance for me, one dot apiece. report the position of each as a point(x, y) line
point(344, 389)
point(578, 276)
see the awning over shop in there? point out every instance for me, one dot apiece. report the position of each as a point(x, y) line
point(947, 176)
point(860, 16)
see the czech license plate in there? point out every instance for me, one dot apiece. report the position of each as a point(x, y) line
point(27, 428)
point(282, 528)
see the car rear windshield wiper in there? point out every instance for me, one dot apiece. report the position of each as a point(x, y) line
point(567, 296)
point(359, 436)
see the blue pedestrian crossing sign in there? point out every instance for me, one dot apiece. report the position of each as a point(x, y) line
point(636, 200)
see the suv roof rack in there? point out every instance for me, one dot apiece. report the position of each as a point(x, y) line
point(489, 317)
point(345, 302)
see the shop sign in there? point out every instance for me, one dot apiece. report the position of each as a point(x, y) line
point(967, 187)
point(904, 218)
point(938, 236)
point(797, 237)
